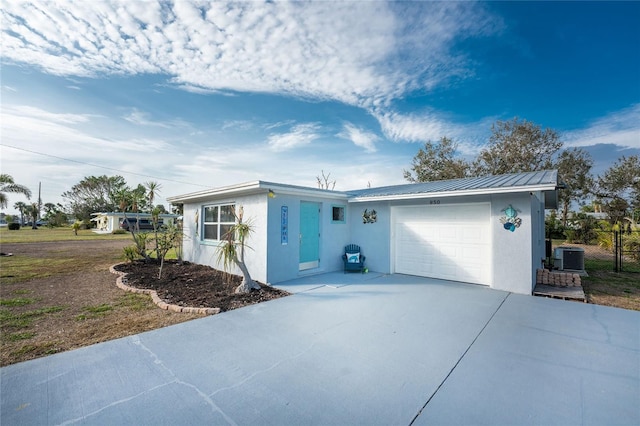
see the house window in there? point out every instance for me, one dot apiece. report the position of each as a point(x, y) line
point(337, 214)
point(217, 221)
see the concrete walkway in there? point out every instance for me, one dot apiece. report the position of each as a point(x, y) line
point(351, 349)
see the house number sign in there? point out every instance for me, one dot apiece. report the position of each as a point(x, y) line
point(284, 225)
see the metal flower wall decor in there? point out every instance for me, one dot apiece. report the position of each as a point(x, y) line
point(369, 216)
point(510, 220)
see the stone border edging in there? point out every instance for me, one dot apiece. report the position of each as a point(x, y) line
point(156, 299)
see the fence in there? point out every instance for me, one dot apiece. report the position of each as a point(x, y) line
point(617, 251)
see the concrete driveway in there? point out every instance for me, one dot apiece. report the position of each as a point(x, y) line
point(351, 349)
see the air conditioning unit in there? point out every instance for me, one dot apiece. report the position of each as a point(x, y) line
point(568, 258)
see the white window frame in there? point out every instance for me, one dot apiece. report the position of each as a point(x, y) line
point(218, 224)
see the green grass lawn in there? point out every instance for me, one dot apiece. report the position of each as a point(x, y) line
point(44, 234)
point(606, 287)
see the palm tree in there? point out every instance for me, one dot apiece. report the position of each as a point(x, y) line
point(154, 189)
point(8, 185)
point(22, 208)
point(33, 211)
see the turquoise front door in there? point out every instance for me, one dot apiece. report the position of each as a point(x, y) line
point(309, 235)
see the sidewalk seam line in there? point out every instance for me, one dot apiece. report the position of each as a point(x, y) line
point(459, 360)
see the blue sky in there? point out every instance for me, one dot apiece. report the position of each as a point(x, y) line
point(205, 94)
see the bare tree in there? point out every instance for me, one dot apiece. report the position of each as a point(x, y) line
point(324, 182)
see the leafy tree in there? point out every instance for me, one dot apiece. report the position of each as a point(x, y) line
point(553, 227)
point(161, 209)
point(155, 220)
point(437, 161)
point(231, 251)
point(517, 146)
point(170, 237)
point(582, 229)
point(619, 186)
point(94, 194)
point(7, 184)
point(574, 167)
point(54, 214)
point(514, 146)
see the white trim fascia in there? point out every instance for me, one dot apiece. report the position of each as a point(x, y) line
point(457, 193)
point(312, 193)
point(256, 187)
point(214, 192)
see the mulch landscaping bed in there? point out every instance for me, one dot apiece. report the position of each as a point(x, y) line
point(191, 285)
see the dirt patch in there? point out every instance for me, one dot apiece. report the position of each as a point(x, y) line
point(192, 285)
point(78, 303)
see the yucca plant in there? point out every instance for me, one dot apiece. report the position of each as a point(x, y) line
point(230, 252)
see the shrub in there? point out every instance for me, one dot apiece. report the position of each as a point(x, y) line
point(130, 253)
point(632, 246)
point(605, 240)
point(14, 226)
point(553, 227)
point(582, 229)
point(118, 232)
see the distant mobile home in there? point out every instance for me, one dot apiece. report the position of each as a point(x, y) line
point(487, 231)
point(110, 221)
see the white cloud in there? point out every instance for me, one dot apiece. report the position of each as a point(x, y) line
point(142, 118)
point(359, 53)
point(60, 149)
point(237, 124)
point(429, 126)
point(230, 165)
point(620, 128)
point(364, 54)
point(300, 135)
point(21, 111)
point(359, 137)
point(413, 127)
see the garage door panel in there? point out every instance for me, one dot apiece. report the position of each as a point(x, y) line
point(447, 242)
point(473, 235)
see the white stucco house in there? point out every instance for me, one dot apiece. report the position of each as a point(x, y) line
point(487, 231)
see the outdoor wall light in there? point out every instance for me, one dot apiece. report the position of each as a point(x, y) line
point(272, 194)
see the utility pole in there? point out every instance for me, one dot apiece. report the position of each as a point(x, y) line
point(39, 199)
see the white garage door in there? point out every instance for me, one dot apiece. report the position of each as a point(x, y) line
point(451, 242)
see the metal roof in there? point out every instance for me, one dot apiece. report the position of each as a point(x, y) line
point(516, 182)
point(546, 180)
